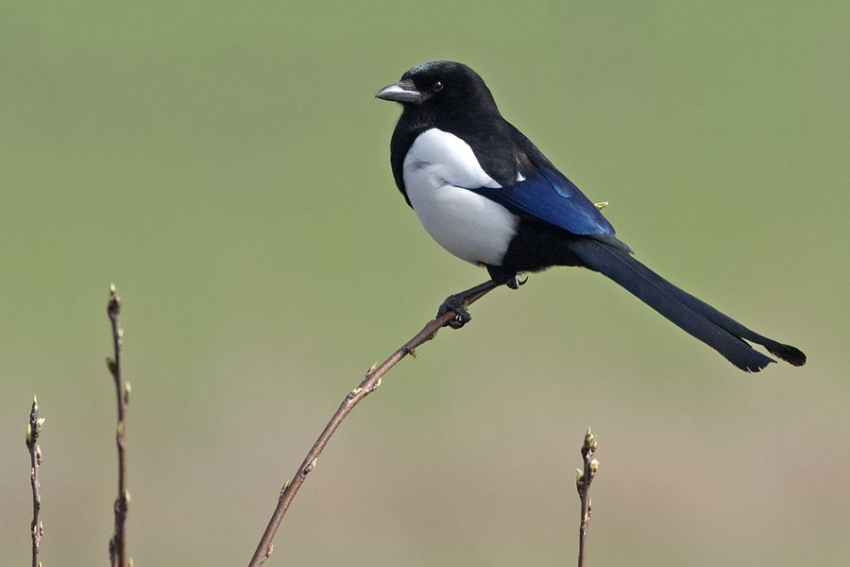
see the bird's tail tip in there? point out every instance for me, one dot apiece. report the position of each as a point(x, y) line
point(791, 355)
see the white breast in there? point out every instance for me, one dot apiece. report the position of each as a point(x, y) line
point(437, 170)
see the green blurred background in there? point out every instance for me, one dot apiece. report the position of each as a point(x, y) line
point(226, 165)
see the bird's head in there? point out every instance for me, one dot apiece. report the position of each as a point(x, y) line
point(441, 89)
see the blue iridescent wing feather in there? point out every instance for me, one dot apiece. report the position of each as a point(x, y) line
point(549, 196)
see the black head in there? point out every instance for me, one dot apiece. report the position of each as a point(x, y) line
point(441, 90)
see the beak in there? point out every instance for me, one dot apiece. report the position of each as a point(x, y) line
point(404, 92)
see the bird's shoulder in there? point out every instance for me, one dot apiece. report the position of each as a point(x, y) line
point(532, 185)
point(499, 148)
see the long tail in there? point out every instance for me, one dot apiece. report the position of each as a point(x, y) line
point(699, 319)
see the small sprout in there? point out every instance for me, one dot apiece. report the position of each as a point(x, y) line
point(355, 392)
point(594, 466)
point(373, 367)
point(269, 550)
point(127, 496)
point(114, 305)
point(579, 478)
point(601, 205)
point(309, 468)
point(590, 443)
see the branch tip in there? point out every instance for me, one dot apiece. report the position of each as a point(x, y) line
point(113, 308)
point(118, 555)
point(584, 477)
point(34, 427)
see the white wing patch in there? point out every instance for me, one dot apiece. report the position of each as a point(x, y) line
point(438, 171)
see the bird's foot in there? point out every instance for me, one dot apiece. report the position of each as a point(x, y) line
point(457, 304)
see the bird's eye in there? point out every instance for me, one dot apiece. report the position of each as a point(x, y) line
point(437, 87)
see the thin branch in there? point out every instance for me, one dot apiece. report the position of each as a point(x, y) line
point(37, 528)
point(583, 479)
point(366, 387)
point(118, 542)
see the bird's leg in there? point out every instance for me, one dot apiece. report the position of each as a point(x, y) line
point(458, 301)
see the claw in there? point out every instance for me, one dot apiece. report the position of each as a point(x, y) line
point(515, 282)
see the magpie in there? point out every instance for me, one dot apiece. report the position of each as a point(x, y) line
point(486, 194)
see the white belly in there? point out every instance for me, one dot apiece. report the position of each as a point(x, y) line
point(436, 171)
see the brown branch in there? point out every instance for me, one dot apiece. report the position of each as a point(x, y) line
point(118, 542)
point(37, 528)
point(366, 387)
point(583, 479)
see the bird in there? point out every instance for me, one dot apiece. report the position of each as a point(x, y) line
point(489, 196)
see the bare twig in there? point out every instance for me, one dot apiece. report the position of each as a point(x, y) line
point(366, 387)
point(37, 528)
point(118, 542)
point(583, 479)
